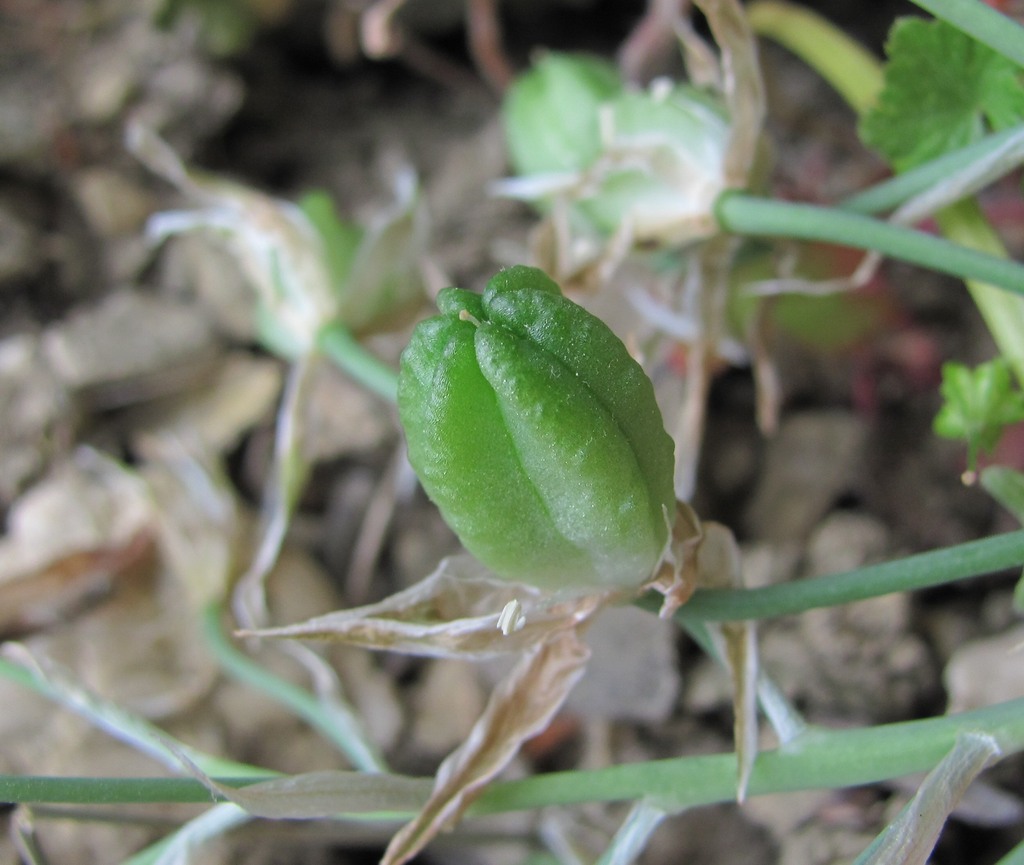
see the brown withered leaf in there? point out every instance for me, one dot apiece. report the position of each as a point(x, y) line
point(106, 533)
point(463, 611)
point(521, 706)
point(742, 83)
point(719, 567)
point(67, 584)
point(453, 613)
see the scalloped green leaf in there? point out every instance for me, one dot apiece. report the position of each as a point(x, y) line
point(942, 90)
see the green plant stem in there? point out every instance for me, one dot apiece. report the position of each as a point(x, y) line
point(891, 193)
point(739, 213)
point(821, 759)
point(999, 32)
point(963, 222)
point(1003, 313)
point(925, 570)
point(1014, 857)
point(54, 790)
point(371, 372)
point(845, 64)
point(344, 732)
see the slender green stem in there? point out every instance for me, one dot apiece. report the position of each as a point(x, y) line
point(1014, 857)
point(845, 64)
point(999, 32)
point(371, 372)
point(745, 214)
point(344, 732)
point(180, 846)
point(821, 759)
point(634, 833)
point(891, 193)
point(1003, 313)
point(933, 568)
point(962, 222)
point(39, 789)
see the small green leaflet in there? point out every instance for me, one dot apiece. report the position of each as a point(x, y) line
point(943, 90)
point(977, 405)
point(341, 239)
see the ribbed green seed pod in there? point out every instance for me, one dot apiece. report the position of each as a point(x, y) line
point(538, 436)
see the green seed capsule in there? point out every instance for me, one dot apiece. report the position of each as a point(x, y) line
point(551, 113)
point(538, 436)
point(651, 160)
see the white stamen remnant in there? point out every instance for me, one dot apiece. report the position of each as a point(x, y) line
point(511, 618)
point(465, 315)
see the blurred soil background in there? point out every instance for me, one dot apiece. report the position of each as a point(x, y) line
point(106, 345)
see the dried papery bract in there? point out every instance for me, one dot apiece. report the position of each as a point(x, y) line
point(521, 706)
point(454, 613)
point(742, 86)
point(706, 555)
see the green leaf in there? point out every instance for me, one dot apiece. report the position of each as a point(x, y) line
point(943, 90)
point(551, 113)
point(226, 27)
point(1006, 486)
point(978, 404)
point(340, 239)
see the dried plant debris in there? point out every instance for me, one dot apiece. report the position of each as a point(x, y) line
point(34, 405)
point(985, 670)
point(129, 341)
point(106, 527)
point(111, 59)
point(464, 611)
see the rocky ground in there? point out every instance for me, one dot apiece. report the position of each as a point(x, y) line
point(106, 344)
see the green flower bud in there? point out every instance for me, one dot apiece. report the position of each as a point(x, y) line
point(551, 113)
point(651, 160)
point(666, 165)
point(538, 436)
